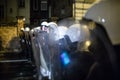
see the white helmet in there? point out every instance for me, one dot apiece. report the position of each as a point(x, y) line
point(107, 12)
point(44, 23)
point(27, 29)
point(62, 31)
point(74, 32)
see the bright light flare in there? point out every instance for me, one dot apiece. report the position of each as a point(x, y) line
point(65, 58)
point(88, 43)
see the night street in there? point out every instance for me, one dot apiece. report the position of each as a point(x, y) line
point(14, 67)
point(59, 40)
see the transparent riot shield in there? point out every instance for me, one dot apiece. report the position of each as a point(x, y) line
point(41, 52)
point(75, 50)
point(69, 46)
point(80, 50)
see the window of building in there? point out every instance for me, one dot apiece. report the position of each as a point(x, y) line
point(1, 12)
point(21, 3)
point(35, 5)
point(43, 5)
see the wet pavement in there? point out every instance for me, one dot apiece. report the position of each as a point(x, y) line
point(15, 67)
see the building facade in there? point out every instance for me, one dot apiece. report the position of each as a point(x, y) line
point(10, 9)
point(35, 11)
